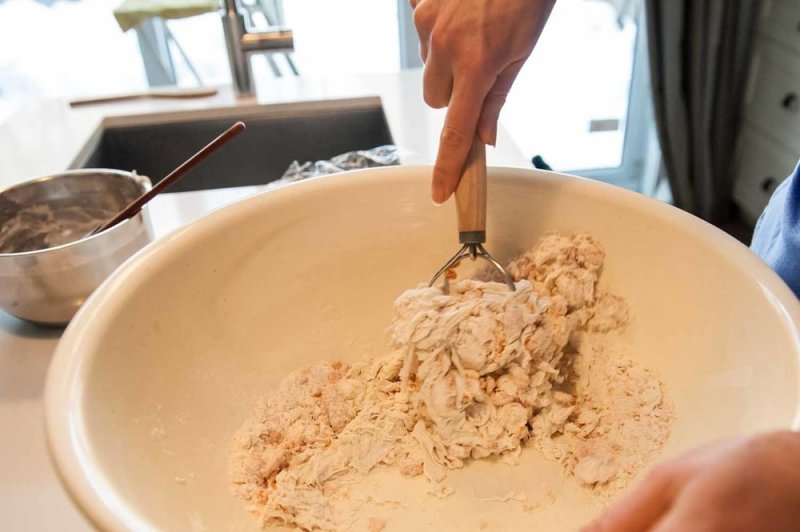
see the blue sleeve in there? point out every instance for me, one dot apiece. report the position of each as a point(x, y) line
point(777, 235)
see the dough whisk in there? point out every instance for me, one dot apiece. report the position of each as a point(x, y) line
point(471, 211)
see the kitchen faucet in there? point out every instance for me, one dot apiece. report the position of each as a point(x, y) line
point(242, 42)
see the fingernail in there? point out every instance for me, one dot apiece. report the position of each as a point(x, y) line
point(438, 195)
point(488, 137)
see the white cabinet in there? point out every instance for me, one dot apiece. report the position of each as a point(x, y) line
point(780, 21)
point(760, 165)
point(769, 144)
point(772, 100)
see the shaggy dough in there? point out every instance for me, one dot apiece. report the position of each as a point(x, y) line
point(476, 373)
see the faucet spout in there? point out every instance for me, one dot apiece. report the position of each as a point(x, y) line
point(241, 43)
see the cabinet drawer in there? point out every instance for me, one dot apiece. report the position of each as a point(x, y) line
point(760, 165)
point(772, 99)
point(780, 20)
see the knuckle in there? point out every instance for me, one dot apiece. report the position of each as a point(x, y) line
point(422, 16)
point(496, 98)
point(439, 40)
point(492, 106)
point(454, 136)
point(418, 17)
point(475, 67)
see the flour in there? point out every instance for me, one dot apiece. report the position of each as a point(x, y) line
point(480, 372)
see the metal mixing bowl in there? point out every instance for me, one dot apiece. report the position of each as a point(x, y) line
point(47, 286)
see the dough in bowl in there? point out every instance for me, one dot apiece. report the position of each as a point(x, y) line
point(475, 374)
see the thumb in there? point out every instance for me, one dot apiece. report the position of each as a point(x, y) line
point(493, 104)
point(643, 507)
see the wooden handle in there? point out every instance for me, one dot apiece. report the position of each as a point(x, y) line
point(137, 204)
point(471, 195)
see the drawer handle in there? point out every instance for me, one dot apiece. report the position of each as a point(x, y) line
point(768, 184)
point(790, 102)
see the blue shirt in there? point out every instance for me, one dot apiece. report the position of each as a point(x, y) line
point(777, 235)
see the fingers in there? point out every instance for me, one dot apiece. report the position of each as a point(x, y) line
point(437, 81)
point(493, 104)
point(641, 508)
point(469, 92)
point(424, 18)
point(437, 85)
point(681, 519)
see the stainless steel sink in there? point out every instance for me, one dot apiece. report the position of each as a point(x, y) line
point(276, 135)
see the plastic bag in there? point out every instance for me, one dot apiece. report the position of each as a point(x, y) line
point(380, 156)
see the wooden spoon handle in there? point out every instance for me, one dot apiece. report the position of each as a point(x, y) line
point(471, 196)
point(137, 204)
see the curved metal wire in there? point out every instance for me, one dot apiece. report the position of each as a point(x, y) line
point(472, 251)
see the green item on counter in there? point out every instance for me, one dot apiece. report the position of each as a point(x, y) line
point(131, 13)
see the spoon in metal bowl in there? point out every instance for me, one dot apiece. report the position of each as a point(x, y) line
point(136, 205)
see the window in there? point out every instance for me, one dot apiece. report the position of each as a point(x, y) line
point(64, 48)
point(581, 102)
point(86, 53)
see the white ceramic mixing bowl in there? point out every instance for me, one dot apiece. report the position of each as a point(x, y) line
point(161, 366)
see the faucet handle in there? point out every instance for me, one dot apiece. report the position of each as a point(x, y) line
point(268, 41)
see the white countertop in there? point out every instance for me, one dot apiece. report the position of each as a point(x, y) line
point(44, 137)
